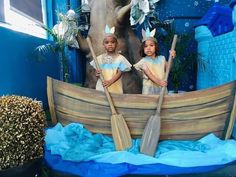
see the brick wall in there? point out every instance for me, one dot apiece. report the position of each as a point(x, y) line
point(219, 54)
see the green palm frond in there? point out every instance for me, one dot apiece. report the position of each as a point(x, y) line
point(79, 9)
point(43, 49)
point(40, 51)
point(50, 32)
point(187, 60)
point(56, 46)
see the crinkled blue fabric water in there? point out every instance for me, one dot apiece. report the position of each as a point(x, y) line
point(75, 144)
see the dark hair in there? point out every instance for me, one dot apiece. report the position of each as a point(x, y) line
point(113, 36)
point(141, 51)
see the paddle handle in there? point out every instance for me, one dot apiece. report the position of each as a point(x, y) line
point(113, 110)
point(163, 89)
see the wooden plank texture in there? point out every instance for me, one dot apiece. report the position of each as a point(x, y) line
point(183, 116)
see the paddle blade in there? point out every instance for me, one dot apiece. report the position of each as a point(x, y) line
point(151, 136)
point(120, 132)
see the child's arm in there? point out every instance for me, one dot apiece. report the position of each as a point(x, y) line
point(154, 79)
point(117, 76)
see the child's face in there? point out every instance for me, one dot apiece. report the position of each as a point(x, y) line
point(110, 44)
point(150, 48)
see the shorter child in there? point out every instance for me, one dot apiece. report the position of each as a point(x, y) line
point(152, 65)
point(111, 64)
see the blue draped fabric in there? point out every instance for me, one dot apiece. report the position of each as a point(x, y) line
point(92, 168)
point(75, 150)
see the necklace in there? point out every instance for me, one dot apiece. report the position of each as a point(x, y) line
point(107, 59)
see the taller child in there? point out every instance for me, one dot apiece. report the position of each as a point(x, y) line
point(111, 63)
point(152, 65)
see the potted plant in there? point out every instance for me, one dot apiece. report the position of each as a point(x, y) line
point(22, 123)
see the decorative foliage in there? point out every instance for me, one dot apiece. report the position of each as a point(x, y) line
point(64, 34)
point(22, 121)
point(187, 60)
point(186, 63)
point(152, 22)
point(67, 29)
point(162, 27)
point(140, 9)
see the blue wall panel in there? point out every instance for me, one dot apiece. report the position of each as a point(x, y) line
point(218, 51)
point(20, 73)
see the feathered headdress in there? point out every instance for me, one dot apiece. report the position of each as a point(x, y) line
point(148, 35)
point(110, 31)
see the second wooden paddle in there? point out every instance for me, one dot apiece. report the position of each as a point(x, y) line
point(120, 131)
point(151, 132)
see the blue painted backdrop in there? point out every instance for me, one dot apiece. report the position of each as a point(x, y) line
point(185, 12)
point(20, 73)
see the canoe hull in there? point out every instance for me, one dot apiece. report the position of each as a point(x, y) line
point(184, 116)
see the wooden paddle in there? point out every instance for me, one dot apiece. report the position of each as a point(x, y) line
point(120, 131)
point(151, 132)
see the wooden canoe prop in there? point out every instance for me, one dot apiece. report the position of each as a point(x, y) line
point(184, 116)
point(120, 131)
point(151, 132)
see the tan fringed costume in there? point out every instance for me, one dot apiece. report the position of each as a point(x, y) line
point(157, 67)
point(110, 64)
